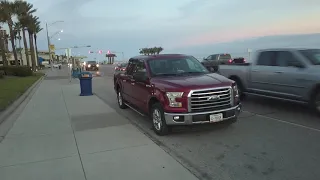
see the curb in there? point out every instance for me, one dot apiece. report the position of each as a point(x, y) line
point(11, 108)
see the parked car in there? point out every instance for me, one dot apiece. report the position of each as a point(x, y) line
point(286, 74)
point(212, 62)
point(238, 60)
point(57, 65)
point(176, 89)
point(91, 66)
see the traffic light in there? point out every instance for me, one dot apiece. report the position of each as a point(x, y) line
point(100, 52)
point(90, 52)
point(108, 52)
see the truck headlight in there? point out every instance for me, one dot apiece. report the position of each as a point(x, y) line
point(89, 65)
point(97, 65)
point(172, 98)
point(235, 91)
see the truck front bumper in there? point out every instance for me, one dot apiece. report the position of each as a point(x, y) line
point(201, 117)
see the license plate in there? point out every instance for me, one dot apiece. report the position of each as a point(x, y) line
point(216, 117)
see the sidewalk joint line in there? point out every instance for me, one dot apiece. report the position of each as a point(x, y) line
point(74, 135)
point(39, 161)
point(116, 149)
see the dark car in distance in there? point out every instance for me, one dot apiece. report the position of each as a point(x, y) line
point(120, 67)
point(91, 66)
point(176, 89)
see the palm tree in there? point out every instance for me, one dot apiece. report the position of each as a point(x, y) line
point(17, 29)
point(2, 49)
point(8, 10)
point(37, 30)
point(24, 9)
point(159, 50)
point(31, 30)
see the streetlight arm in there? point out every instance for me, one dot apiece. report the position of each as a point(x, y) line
point(54, 23)
point(58, 32)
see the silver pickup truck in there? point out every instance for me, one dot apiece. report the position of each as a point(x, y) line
point(286, 74)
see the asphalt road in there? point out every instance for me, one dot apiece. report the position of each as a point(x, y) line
point(272, 140)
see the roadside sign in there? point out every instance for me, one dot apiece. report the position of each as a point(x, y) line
point(249, 50)
point(52, 48)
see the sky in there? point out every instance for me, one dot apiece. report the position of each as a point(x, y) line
point(178, 26)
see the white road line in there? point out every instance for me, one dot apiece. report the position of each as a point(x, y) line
point(286, 122)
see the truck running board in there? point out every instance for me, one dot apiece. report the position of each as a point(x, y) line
point(137, 111)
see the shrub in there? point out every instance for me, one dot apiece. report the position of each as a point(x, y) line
point(21, 71)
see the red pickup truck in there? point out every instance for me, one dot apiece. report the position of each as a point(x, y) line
point(176, 89)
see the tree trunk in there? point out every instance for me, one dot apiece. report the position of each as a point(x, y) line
point(12, 43)
point(3, 51)
point(36, 46)
point(20, 48)
point(25, 46)
point(33, 58)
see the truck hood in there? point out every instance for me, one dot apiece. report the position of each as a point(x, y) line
point(191, 82)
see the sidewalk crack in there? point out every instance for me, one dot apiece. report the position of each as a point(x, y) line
point(74, 136)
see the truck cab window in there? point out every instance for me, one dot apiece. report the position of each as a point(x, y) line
point(266, 58)
point(210, 58)
point(131, 67)
point(140, 69)
point(286, 59)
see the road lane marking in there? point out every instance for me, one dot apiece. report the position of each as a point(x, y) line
point(286, 122)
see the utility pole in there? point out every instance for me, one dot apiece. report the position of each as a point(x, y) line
point(48, 40)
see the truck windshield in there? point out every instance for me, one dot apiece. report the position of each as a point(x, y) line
point(91, 62)
point(313, 55)
point(177, 66)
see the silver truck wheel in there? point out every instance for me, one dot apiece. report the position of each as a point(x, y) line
point(120, 100)
point(159, 124)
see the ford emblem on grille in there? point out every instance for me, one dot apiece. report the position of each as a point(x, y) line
point(214, 97)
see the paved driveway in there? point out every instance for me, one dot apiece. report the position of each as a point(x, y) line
point(272, 140)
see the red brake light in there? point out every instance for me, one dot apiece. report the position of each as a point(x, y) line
point(244, 60)
point(230, 60)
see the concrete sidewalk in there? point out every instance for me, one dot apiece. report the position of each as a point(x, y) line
point(62, 136)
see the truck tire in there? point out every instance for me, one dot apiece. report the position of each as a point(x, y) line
point(159, 124)
point(316, 101)
point(120, 100)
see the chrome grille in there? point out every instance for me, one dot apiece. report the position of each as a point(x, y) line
point(199, 100)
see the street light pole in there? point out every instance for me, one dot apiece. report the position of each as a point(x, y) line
point(48, 40)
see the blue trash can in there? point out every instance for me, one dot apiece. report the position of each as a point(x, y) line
point(85, 83)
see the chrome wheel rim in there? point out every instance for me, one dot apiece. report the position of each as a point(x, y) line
point(156, 118)
point(119, 98)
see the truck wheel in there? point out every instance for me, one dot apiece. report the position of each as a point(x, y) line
point(159, 124)
point(120, 100)
point(316, 102)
